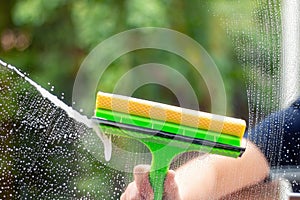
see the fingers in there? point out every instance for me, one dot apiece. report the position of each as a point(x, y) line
point(141, 178)
point(171, 187)
point(140, 189)
point(131, 193)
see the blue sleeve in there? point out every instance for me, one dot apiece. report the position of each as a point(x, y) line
point(278, 136)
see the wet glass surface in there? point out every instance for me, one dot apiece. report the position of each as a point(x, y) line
point(46, 154)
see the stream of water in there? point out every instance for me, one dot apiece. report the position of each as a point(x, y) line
point(70, 112)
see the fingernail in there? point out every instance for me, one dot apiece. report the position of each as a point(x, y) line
point(141, 169)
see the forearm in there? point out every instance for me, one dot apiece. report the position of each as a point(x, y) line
point(196, 179)
point(215, 176)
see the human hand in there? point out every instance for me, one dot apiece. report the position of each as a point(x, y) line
point(140, 188)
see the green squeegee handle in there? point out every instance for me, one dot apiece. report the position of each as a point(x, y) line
point(160, 165)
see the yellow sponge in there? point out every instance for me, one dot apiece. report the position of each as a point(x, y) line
point(173, 114)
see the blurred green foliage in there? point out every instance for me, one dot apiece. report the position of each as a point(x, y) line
point(61, 33)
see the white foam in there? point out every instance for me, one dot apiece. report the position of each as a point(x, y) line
point(3, 63)
point(106, 142)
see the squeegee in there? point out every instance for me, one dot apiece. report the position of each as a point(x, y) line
point(168, 131)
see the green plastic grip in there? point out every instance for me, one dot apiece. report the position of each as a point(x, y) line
point(160, 165)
